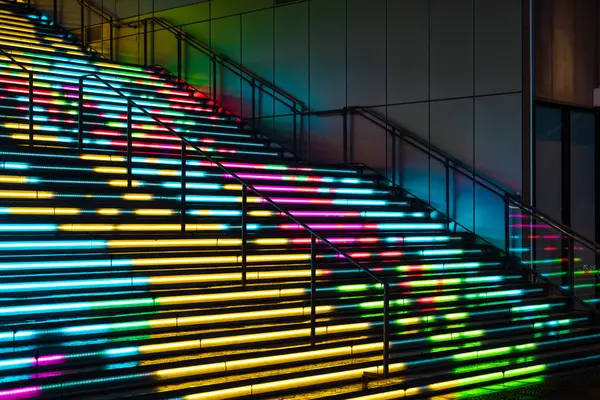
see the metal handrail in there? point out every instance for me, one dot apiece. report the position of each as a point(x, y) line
point(98, 11)
point(222, 59)
point(245, 186)
point(30, 74)
point(101, 13)
point(296, 106)
point(486, 182)
point(508, 197)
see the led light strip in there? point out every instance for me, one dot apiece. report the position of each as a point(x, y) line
point(225, 242)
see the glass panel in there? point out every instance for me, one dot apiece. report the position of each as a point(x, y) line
point(548, 161)
point(489, 217)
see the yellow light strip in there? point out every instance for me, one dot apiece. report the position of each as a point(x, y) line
point(137, 196)
point(101, 157)
point(153, 212)
point(13, 179)
point(175, 242)
point(235, 365)
point(110, 170)
point(123, 183)
point(109, 211)
point(25, 194)
point(313, 380)
point(244, 316)
point(44, 210)
point(233, 296)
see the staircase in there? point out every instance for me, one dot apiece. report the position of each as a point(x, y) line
point(116, 282)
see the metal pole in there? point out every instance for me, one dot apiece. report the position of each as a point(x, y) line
point(506, 225)
point(571, 265)
point(30, 108)
point(111, 44)
point(82, 15)
point(295, 135)
point(145, 43)
point(253, 103)
point(214, 79)
point(179, 58)
point(386, 329)
point(313, 289)
point(80, 116)
point(345, 135)
point(393, 159)
point(447, 192)
point(244, 231)
point(55, 13)
point(183, 185)
point(129, 144)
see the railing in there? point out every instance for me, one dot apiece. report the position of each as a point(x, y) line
point(245, 186)
point(547, 250)
point(30, 92)
point(257, 84)
point(83, 5)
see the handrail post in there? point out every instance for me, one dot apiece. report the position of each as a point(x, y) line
point(129, 143)
point(82, 26)
point(30, 108)
point(111, 38)
point(386, 329)
point(253, 103)
point(571, 265)
point(313, 289)
point(345, 135)
point(55, 13)
point(145, 43)
point(244, 227)
point(179, 58)
point(183, 185)
point(295, 135)
point(214, 80)
point(80, 116)
point(394, 159)
point(447, 165)
point(507, 225)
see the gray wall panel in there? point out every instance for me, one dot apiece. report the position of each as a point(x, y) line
point(291, 52)
point(366, 52)
point(328, 54)
point(451, 48)
point(407, 51)
point(258, 54)
point(498, 139)
point(497, 46)
point(452, 128)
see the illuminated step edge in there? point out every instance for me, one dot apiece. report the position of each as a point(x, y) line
point(48, 195)
point(136, 145)
point(194, 227)
point(172, 160)
point(229, 242)
point(205, 185)
point(148, 302)
point(161, 212)
point(24, 55)
point(256, 338)
point(246, 363)
point(193, 172)
point(26, 335)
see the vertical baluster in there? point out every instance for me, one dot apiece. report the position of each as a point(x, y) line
point(313, 289)
point(386, 329)
point(30, 108)
point(244, 227)
point(183, 174)
point(80, 116)
point(129, 144)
